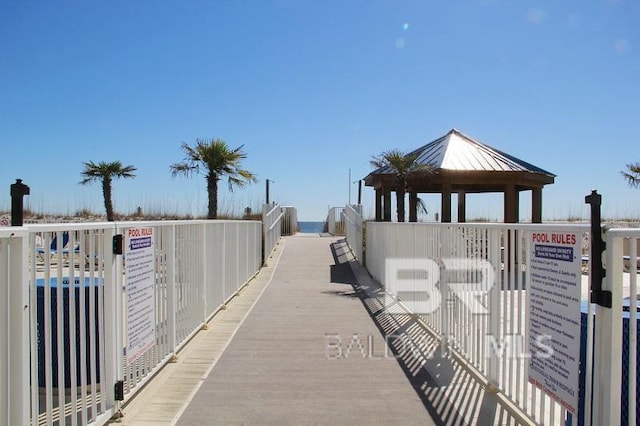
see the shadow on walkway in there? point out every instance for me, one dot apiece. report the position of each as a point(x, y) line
point(449, 392)
point(341, 272)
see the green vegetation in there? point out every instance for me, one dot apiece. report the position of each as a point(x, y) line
point(214, 159)
point(632, 174)
point(105, 173)
point(403, 166)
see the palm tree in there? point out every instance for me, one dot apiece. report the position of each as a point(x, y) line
point(214, 159)
point(402, 166)
point(632, 174)
point(105, 173)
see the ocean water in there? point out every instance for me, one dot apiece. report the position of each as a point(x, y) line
point(311, 227)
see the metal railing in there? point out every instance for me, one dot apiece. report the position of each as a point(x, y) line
point(69, 303)
point(477, 320)
point(335, 221)
point(354, 229)
point(289, 221)
point(272, 216)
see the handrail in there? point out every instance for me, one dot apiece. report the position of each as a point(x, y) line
point(277, 221)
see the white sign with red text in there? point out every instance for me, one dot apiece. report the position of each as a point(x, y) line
point(554, 313)
point(140, 295)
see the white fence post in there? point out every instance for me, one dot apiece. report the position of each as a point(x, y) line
point(205, 229)
point(493, 361)
point(14, 327)
point(111, 320)
point(170, 249)
point(608, 335)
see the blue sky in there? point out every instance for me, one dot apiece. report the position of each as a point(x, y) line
point(313, 89)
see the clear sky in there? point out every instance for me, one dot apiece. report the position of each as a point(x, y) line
point(313, 89)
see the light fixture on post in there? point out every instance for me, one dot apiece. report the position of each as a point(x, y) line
point(267, 182)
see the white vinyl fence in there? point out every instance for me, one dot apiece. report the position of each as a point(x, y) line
point(69, 302)
point(353, 229)
point(476, 320)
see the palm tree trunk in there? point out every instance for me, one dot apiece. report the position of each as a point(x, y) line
point(212, 190)
point(106, 193)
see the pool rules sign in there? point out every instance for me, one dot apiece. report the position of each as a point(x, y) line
point(140, 296)
point(554, 314)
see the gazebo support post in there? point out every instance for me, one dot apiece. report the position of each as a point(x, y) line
point(400, 206)
point(536, 205)
point(378, 205)
point(387, 205)
point(413, 206)
point(446, 203)
point(511, 204)
point(462, 205)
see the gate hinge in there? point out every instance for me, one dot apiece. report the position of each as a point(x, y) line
point(118, 389)
point(118, 243)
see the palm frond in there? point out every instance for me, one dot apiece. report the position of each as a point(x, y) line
point(105, 170)
point(214, 159)
point(402, 165)
point(422, 206)
point(183, 168)
point(632, 174)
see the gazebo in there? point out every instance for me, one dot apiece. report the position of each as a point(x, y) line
point(463, 165)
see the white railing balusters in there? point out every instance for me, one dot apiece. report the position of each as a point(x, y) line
point(84, 281)
point(508, 248)
point(502, 248)
point(335, 221)
point(354, 229)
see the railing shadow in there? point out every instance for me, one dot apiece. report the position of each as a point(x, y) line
point(448, 391)
point(340, 271)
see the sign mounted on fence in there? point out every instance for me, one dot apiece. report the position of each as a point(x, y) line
point(140, 281)
point(554, 314)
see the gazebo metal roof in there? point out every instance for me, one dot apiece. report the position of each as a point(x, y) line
point(463, 165)
point(457, 151)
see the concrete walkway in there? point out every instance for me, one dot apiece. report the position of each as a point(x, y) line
point(297, 346)
point(290, 363)
point(313, 340)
